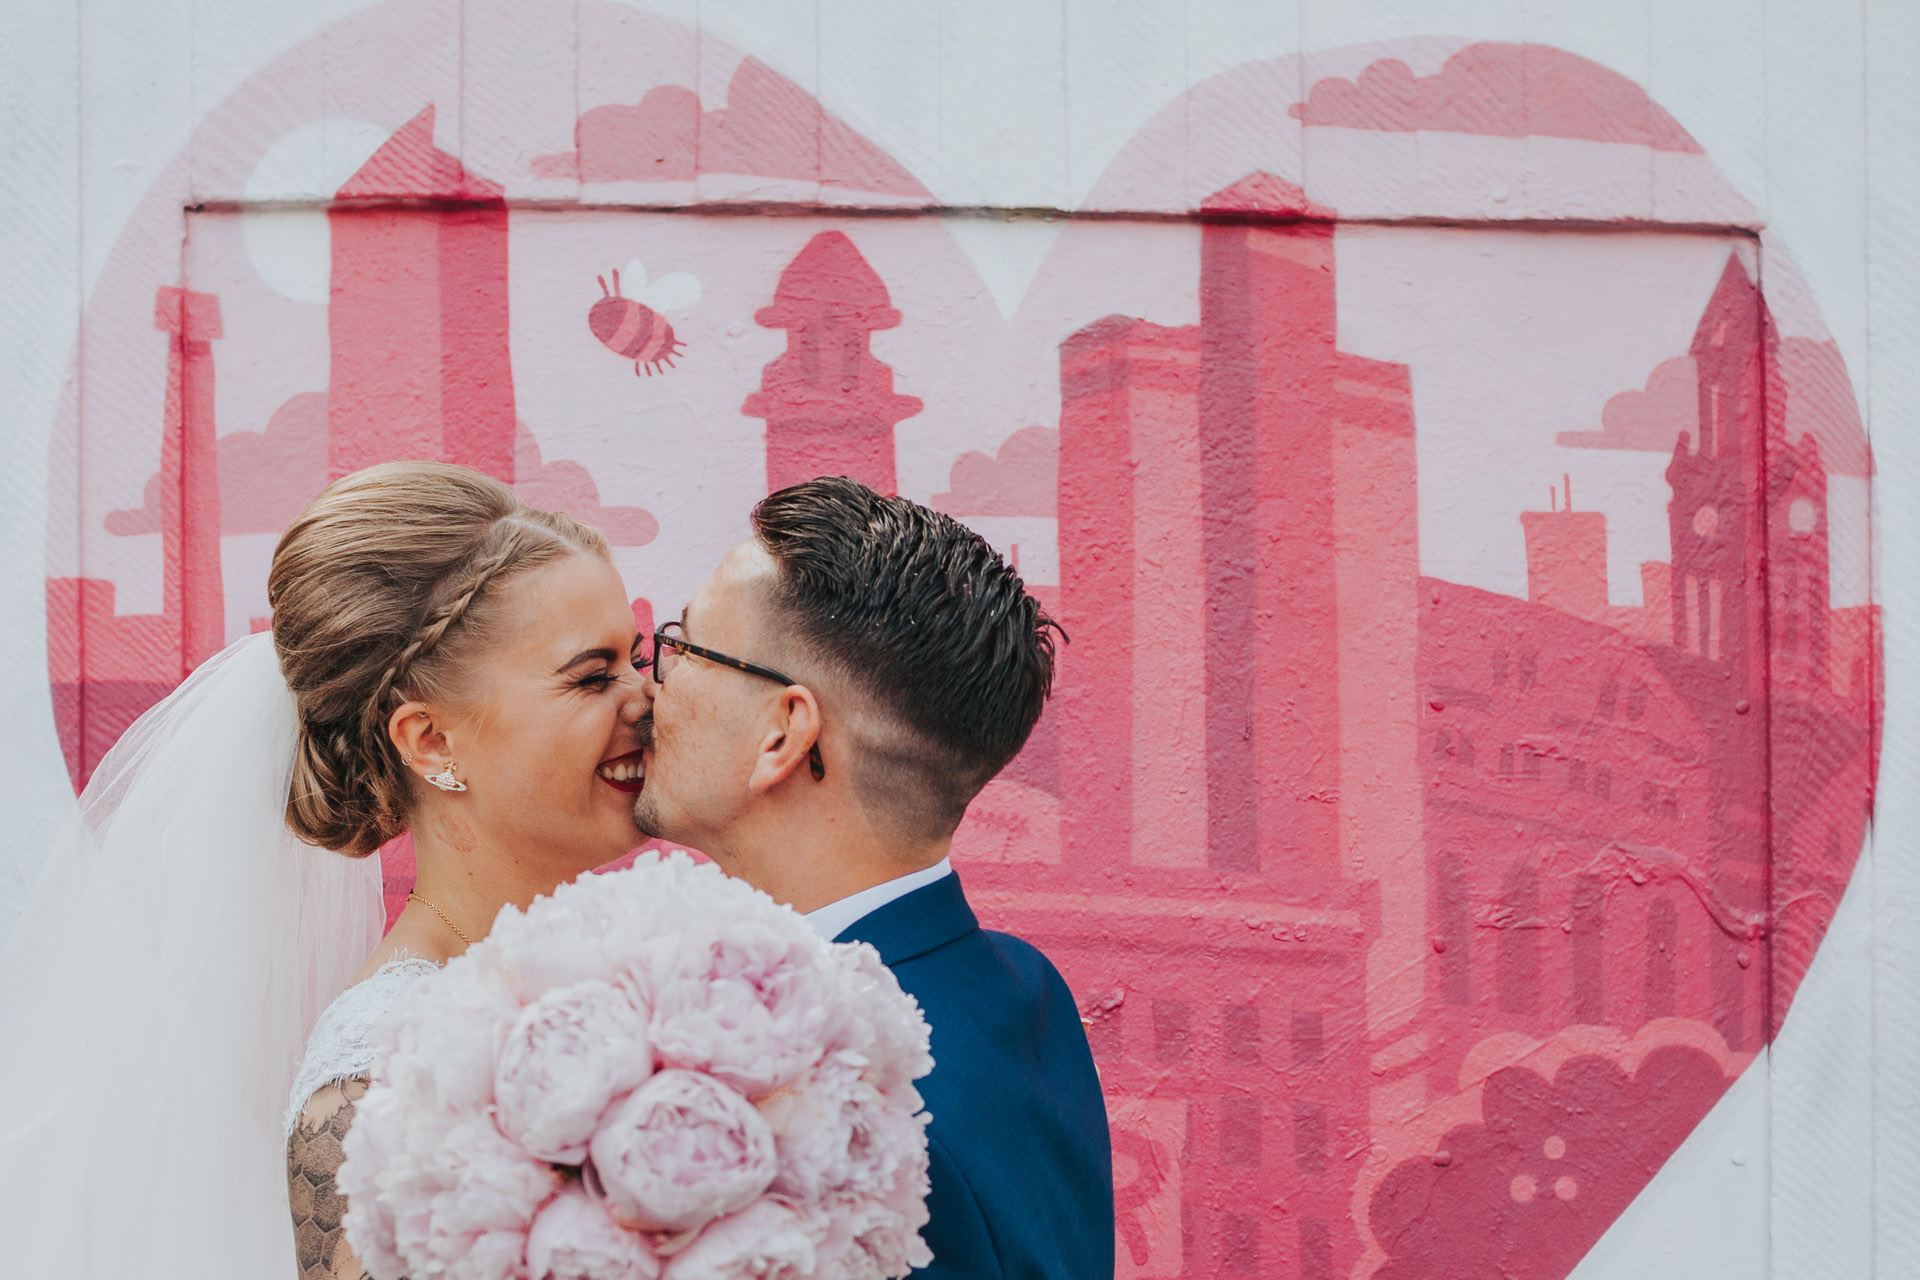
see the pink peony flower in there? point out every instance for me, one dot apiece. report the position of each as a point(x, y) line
point(890, 1164)
point(564, 938)
point(468, 1204)
point(869, 1240)
point(569, 1055)
point(373, 1145)
point(847, 1146)
point(880, 1022)
point(445, 1030)
point(765, 1241)
point(574, 1239)
point(838, 1135)
point(744, 998)
point(681, 1150)
point(813, 1122)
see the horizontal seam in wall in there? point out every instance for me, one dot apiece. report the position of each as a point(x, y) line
point(1001, 213)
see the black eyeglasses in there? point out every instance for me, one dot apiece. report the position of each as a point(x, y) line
point(667, 641)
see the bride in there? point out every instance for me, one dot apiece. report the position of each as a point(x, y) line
point(444, 661)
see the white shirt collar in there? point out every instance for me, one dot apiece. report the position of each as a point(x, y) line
point(833, 919)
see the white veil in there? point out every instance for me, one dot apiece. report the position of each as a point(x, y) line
point(156, 994)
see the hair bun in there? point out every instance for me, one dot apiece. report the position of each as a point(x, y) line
point(333, 800)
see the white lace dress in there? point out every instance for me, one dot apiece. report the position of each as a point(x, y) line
point(341, 1045)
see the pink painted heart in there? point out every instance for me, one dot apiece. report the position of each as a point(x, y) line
point(1427, 858)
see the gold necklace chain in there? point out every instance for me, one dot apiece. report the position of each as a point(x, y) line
point(414, 897)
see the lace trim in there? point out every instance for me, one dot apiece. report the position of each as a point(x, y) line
point(341, 1045)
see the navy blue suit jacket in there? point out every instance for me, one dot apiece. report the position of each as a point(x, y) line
point(1022, 1171)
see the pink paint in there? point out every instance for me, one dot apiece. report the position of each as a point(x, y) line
point(189, 480)
point(1567, 560)
point(107, 668)
point(1650, 419)
point(1552, 1161)
point(770, 127)
point(1020, 478)
point(1547, 813)
point(829, 403)
point(1820, 404)
point(633, 330)
point(418, 320)
point(1128, 427)
point(564, 485)
point(266, 477)
point(1510, 90)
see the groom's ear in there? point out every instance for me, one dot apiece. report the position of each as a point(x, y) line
point(788, 741)
point(414, 733)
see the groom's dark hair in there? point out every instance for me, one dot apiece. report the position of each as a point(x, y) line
point(920, 614)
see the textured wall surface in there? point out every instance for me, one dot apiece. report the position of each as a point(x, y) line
point(1443, 430)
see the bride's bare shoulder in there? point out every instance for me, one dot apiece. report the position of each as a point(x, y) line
point(407, 940)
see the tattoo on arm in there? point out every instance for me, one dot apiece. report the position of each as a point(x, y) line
point(313, 1160)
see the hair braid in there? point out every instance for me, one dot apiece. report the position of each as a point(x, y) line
point(427, 638)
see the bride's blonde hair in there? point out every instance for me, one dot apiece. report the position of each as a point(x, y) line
point(379, 590)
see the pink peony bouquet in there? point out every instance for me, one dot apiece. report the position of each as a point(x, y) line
point(655, 1074)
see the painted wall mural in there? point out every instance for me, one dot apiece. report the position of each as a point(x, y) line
point(1470, 718)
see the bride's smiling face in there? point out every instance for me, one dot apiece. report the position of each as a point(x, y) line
point(543, 733)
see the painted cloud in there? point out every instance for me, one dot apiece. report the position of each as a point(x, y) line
point(1019, 480)
point(1650, 419)
point(770, 128)
point(1507, 90)
point(564, 485)
point(266, 477)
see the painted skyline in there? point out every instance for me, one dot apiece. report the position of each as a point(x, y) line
point(1355, 861)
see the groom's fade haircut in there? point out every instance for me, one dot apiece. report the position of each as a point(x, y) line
point(918, 613)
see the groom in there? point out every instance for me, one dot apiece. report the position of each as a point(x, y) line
point(821, 714)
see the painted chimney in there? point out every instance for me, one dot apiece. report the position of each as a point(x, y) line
point(195, 597)
point(418, 320)
point(1567, 557)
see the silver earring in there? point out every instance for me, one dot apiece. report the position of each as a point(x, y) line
point(445, 779)
point(405, 758)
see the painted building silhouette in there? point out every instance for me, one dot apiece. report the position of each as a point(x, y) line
point(1332, 824)
point(829, 403)
point(105, 668)
point(418, 318)
point(1239, 570)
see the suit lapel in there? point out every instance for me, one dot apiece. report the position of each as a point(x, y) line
point(929, 917)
